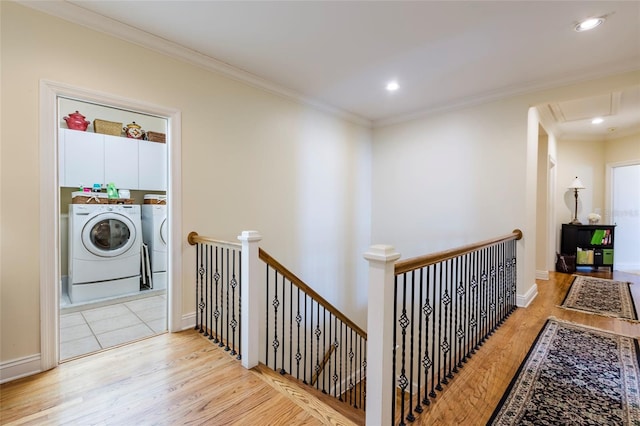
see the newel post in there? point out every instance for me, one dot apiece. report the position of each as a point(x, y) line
point(250, 306)
point(380, 324)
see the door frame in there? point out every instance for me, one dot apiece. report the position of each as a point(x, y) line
point(50, 209)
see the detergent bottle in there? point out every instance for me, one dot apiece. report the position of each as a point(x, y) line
point(112, 192)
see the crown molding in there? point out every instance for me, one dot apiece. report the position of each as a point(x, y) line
point(78, 15)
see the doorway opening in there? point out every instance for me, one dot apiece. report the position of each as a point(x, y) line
point(56, 195)
point(113, 226)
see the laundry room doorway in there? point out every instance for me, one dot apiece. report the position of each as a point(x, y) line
point(112, 165)
point(114, 230)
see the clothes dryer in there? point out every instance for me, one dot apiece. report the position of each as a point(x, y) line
point(154, 235)
point(104, 251)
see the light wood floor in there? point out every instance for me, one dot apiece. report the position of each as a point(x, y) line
point(180, 378)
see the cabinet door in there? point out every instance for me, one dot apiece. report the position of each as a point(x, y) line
point(152, 173)
point(121, 162)
point(83, 158)
point(61, 159)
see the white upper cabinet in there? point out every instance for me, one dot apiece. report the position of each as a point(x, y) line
point(152, 170)
point(81, 158)
point(86, 158)
point(121, 162)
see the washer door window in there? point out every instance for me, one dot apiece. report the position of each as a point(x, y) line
point(108, 234)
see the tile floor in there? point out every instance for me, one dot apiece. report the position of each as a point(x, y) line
point(94, 329)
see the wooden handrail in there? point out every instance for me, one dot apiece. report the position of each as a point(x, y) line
point(430, 259)
point(193, 238)
point(266, 257)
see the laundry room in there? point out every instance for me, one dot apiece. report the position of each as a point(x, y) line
point(112, 166)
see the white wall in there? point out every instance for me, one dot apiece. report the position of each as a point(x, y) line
point(250, 160)
point(448, 179)
point(466, 175)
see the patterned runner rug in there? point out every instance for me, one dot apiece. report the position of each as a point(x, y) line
point(601, 296)
point(574, 375)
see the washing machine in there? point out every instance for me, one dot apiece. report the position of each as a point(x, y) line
point(154, 235)
point(105, 241)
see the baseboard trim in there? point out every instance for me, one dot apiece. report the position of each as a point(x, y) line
point(20, 367)
point(188, 321)
point(522, 301)
point(542, 275)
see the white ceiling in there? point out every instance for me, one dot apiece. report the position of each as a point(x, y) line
point(340, 54)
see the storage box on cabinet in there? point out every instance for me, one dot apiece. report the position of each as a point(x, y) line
point(86, 158)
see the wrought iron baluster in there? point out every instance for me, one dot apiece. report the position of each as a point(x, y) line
point(418, 407)
point(427, 362)
point(359, 379)
point(351, 370)
point(394, 363)
point(266, 322)
point(342, 349)
point(226, 337)
point(448, 318)
point(324, 347)
point(275, 303)
point(485, 296)
point(306, 326)
point(469, 305)
point(298, 322)
point(455, 342)
point(207, 307)
point(199, 272)
point(329, 376)
point(336, 345)
point(404, 323)
point(240, 305)
point(317, 333)
point(460, 330)
point(234, 322)
point(493, 292)
point(216, 312)
point(475, 309)
point(284, 341)
point(363, 390)
point(290, 306)
point(223, 280)
point(410, 416)
point(434, 341)
point(312, 330)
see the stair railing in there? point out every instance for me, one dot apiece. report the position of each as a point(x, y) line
point(218, 292)
point(432, 312)
point(310, 339)
point(275, 318)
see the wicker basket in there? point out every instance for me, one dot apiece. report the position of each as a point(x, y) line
point(107, 127)
point(120, 200)
point(156, 137)
point(155, 199)
point(90, 198)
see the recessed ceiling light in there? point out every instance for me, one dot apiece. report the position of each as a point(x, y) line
point(597, 120)
point(589, 24)
point(392, 86)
